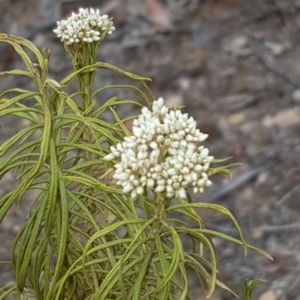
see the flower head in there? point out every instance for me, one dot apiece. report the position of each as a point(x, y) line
point(86, 26)
point(162, 155)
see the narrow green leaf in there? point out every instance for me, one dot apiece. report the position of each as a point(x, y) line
point(8, 102)
point(91, 182)
point(217, 208)
point(10, 289)
point(17, 73)
point(236, 241)
point(14, 154)
point(174, 265)
point(164, 266)
point(139, 281)
point(62, 235)
point(112, 274)
point(101, 65)
point(89, 217)
point(143, 95)
point(184, 294)
point(90, 108)
point(37, 266)
point(111, 278)
point(14, 139)
point(29, 249)
point(25, 43)
point(10, 39)
point(53, 84)
point(53, 191)
point(248, 288)
point(119, 122)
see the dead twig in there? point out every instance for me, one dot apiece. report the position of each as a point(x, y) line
point(264, 229)
point(287, 196)
point(234, 184)
point(254, 41)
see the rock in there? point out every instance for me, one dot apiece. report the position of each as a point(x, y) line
point(174, 100)
point(269, 295)
point(262, 178)
point(236, 119)
point(296, 96)
point(159, 15)
point(275, 48)
point(278, 294)
point(238, 46)
point(223, 123)
point(283, 119)
point(184, 83)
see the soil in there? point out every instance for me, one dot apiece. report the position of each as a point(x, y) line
point(235, 67)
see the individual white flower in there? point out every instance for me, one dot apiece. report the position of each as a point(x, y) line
point(162, 155)
point(86, 26)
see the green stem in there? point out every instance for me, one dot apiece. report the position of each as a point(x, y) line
point(85, 57)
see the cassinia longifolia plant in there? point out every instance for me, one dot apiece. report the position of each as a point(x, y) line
point(110, 208)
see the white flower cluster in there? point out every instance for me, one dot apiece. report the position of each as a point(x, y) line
point(86, 26)
point(162, 154)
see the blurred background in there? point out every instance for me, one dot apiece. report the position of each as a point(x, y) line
point(235, 66)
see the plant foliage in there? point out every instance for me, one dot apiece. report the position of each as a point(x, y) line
point(84, 238)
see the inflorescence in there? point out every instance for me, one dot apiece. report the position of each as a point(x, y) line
point(162, 155)
point(86, 26)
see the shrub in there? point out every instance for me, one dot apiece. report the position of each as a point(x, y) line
point(112, 205)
